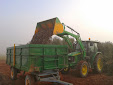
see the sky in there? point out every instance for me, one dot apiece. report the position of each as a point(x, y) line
point(18, 19)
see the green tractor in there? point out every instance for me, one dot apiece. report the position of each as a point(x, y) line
point(83, 56)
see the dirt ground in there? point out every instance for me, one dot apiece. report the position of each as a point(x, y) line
point(92, 79)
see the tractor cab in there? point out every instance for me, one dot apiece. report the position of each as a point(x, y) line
point(91, 47)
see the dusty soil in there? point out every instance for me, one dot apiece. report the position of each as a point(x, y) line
point(92, 79)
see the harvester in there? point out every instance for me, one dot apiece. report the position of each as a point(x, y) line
point(44, 62)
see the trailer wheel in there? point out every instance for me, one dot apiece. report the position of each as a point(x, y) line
point(82, 68)
point(98, 64)
point(29, 80)
point(13, 73)
point(65, 70)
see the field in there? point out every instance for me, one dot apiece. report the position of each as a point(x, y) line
point(92, 79)
point(2, 57)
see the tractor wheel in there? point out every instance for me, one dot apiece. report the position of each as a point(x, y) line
point(13, 73)
point(29, 80)
point(65, 70)
point(98, 64)
point(82, 68)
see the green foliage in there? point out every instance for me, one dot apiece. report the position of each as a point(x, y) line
point(56, 41)
point(107, 51)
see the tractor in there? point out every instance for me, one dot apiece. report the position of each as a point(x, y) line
point(84, 55)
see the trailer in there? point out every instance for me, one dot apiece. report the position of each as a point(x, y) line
point(42, 62)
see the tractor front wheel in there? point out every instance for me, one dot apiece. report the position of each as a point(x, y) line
point(29, 80)
point(82, 68)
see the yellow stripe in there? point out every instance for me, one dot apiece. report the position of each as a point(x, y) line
point(76, 54)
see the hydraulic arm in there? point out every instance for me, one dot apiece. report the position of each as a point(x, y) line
point(77, 37)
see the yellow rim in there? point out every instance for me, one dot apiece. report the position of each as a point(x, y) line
point(84, 70)
point(27, 82)
point(65, 69)
point(99, 64)
point(12, 73)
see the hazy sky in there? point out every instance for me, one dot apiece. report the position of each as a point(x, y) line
point(18, 18)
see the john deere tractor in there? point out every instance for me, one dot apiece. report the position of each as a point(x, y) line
point(84, 55)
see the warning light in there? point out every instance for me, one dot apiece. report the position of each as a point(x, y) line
point(89, 38)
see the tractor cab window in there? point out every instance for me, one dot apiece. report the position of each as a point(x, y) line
point(78, 48)
point(95, 47)
point(92, 46)
point(91, 43)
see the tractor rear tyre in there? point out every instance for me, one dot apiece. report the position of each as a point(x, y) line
point(13, 73)
point(98, 64)
point(65, 70)
point(82, 69)
point(29, 80)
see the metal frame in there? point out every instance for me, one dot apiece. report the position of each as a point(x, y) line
point(50, 76)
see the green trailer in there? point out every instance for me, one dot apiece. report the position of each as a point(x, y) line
point(41, 61)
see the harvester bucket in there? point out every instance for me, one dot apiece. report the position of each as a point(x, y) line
point(51, 24)
point(44, 30)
